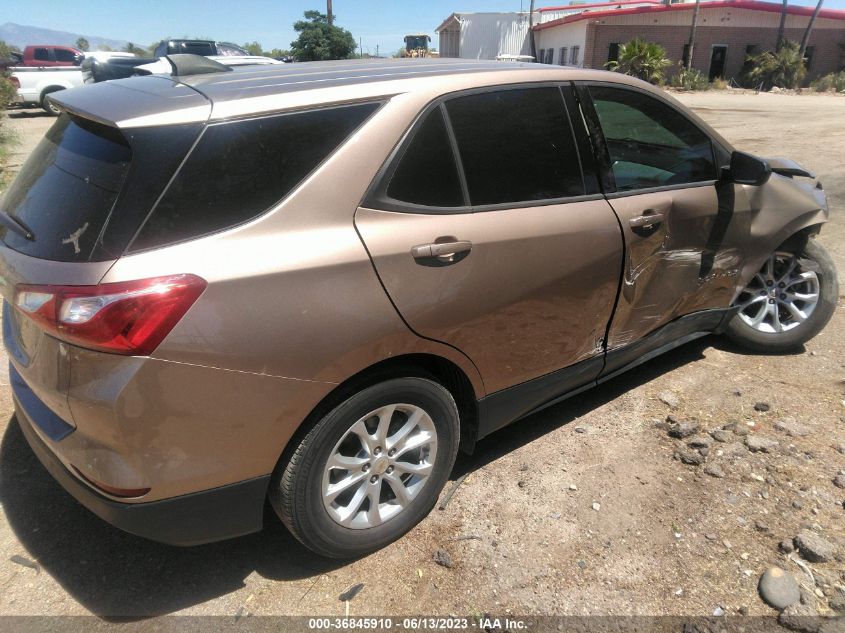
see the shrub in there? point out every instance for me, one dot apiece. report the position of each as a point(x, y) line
point(7, 91)
point(719, 84)
point(784, 68)
point(690, 79)
point(642, 59)
point(833, 81)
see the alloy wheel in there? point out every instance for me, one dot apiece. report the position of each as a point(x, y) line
point(781, 296)
point(379, 466)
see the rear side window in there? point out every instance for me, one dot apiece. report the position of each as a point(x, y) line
point(66, 190)
point(42, 54)
point(427, 174)
point(516, 146)
point(650, 143)
point(63, 55)
point(239, 170)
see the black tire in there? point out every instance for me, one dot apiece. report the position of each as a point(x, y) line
point(813, 257)
point(48, 106)
point(296, 491)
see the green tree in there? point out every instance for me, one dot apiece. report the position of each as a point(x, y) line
point(319, 40)
point(253, 48)
point(104, 47)
point(784, 68)
point(642, 59)
point(82, 44)
point(276, 53)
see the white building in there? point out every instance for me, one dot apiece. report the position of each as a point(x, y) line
point(485, 35)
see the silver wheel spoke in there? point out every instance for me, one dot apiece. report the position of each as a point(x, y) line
point(343, 485)
point(353, 484)
point(756, 299)
point(373, 514)
point(792, 264)
point(399, 489)
point(344, 462)
point(761, 314)
point(385, 415)
point(348, 512)
point(414, 469)
point(795, 312)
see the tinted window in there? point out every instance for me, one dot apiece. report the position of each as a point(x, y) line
point(650, 143)
point(197, 48)
point(230, 49)
point(66, 189)
point(41, 54)
point(239, 170)
point(426, 173)
point(63, 55)
point(516, 145)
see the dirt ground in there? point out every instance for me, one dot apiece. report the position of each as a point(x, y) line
point(581, 509)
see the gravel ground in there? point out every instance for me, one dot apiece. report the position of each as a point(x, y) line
point(582, 509)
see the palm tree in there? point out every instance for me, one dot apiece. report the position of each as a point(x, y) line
point(806, 37)
point(329, 15)
point(642, 59)
point(691, 45)
point(783, 10)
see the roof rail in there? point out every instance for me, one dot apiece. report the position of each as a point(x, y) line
point(189, 64)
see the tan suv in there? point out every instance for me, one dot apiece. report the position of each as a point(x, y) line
point(315, 283)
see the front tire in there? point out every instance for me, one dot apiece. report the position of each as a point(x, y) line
point(370, 470)
point(787, 303)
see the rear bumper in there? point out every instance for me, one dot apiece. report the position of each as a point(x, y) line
point(193, 519)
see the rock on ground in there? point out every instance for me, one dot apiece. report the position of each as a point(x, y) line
point(682, 429)
point(792, 427)
point(778, 588)
point(757, 444)
point(814, 548)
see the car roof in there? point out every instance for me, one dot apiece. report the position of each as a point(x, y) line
point(250, 90)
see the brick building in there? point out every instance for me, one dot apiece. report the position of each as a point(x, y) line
point(727, 32)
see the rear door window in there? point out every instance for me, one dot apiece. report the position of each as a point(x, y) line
point(516, 146)
point(197, 48)
point(650, 143)
point(42, 54)
point(426, 174)
point(239, 170)
point(66, 190)
point(63, 55)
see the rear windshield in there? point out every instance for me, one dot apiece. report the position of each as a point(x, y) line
point(66, 190)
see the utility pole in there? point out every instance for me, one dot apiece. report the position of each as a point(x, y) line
point(691, 43)
point(329, 12)
point(361, 48)
point(531, 32)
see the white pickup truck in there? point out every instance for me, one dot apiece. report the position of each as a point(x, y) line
point(35, 83)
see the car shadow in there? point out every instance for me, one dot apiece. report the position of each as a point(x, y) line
point(28, 114)
point(118, 576)
point(534, 426)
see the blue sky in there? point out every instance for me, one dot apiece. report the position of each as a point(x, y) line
point(379, 23)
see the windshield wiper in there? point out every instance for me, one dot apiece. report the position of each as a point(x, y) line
point(17, 226)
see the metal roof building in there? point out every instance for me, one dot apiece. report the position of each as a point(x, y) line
point(485, 35)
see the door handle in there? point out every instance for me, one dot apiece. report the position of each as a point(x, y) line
point(646, 220)
point(442, 250)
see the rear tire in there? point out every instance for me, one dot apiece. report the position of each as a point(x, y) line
point(48, 106)
point(389, 449)
point(773, 317)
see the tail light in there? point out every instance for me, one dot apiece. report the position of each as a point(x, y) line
point(129, 318)
point(15, 82)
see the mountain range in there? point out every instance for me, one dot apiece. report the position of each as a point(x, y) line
point(21, 35)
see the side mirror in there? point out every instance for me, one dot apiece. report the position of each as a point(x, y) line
point(78, 59)
point(747, 169)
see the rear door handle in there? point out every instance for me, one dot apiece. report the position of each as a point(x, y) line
point(646, 220)
point(442, 250)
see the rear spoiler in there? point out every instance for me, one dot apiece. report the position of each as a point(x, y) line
point(181, 65)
